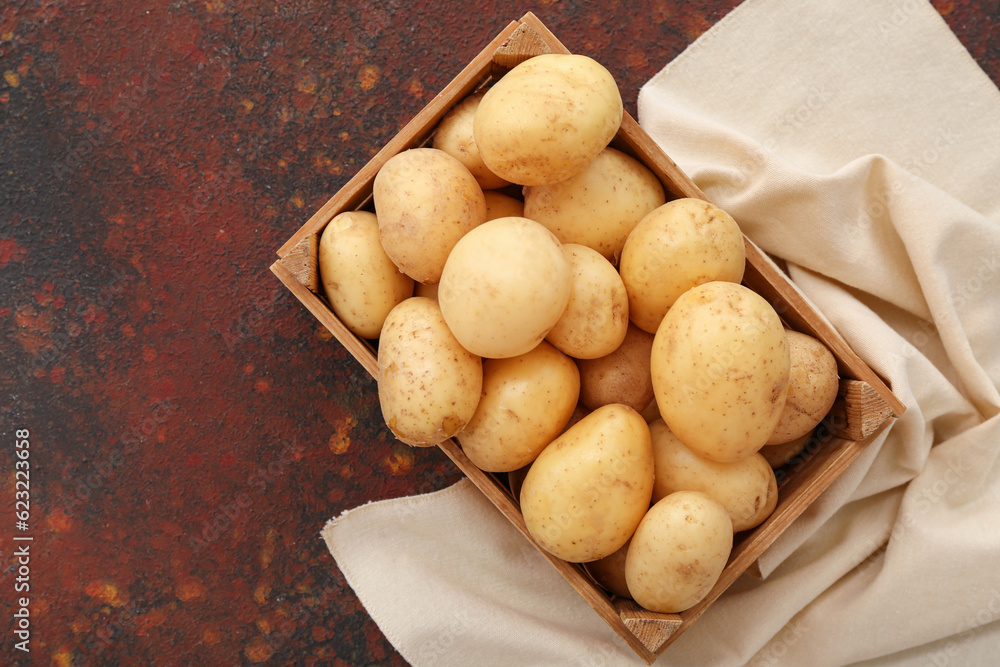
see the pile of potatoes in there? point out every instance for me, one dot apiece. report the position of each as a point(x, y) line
point(535, 294)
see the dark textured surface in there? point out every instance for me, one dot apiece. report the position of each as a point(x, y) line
point(191, 426)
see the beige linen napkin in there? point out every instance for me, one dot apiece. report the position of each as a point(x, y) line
point(859, 143)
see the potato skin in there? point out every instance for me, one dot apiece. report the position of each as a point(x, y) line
point(746, 488)
point(813, 384)
point(454, 136)
point(547, 118)
point(504, 286)
point(599, 205)
point(684, 243)
point(428, 385)
point(526, 402)
point(720, 369)
point(587, 491)
point(622, 376)
point(609, 572)
point(595, 320)
point(499, 205)
point(360, 281)
point(678, 552)
point(425, 200)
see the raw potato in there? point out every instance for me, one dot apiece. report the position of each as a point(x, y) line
point(454, 136)
point(620, 377)
point(813, 384)
point(587, 491)
point(360, 281)
point(504, 286)
point(786, 452)
point(746, 488)
point(428, 385)
point(499, 205)
point(526, 402)
point(720, 370)
point(425, 201)
point(609, 572)
point(678, 552)
point(596, 317)
point(547, 118)
point(684, 243)
point(600, 205)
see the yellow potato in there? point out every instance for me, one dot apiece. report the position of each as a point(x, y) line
point(526, 402)
point(685, 242)
point(428, 385)
point(504, 286)
point(454, 136)
point(598, 206)
point(720, 370)
point(620, 377)
point(609, 572)
point(499, 205)
point(678, 552)
point(785, 452)
point(360, 281)
point(596, 317)
point(746, 488)
point(425, 201)
point(813, 384)
point(587, 491)
point(547, 118)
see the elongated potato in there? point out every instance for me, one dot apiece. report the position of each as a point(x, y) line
point(598, 206)
point(595, 320)
point(360, 281)
point(587, 491)
point(526, 402)
point(547, 118)
point(428, 384)
point(685, 242)
point(678, 552)
point(720, 370)
point(425, 200)
point(746, 488)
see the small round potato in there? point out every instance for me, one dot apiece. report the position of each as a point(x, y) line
point(720, 370)
point(587, 491)
point(598, 206)
point(620, 377)
point(547, 118)
point(454, 136)
point(678, 552)
point(360, 281)
point(746, 488)
point(499, 205)
point(596, 317)
point(428, 385)
point(425, 201)
point(526, 402)
point(813, 384)
point(504, 286)
point(685, 242)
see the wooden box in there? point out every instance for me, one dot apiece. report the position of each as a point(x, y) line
point(865, 405)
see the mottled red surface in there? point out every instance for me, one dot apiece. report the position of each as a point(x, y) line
point(191, 426)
